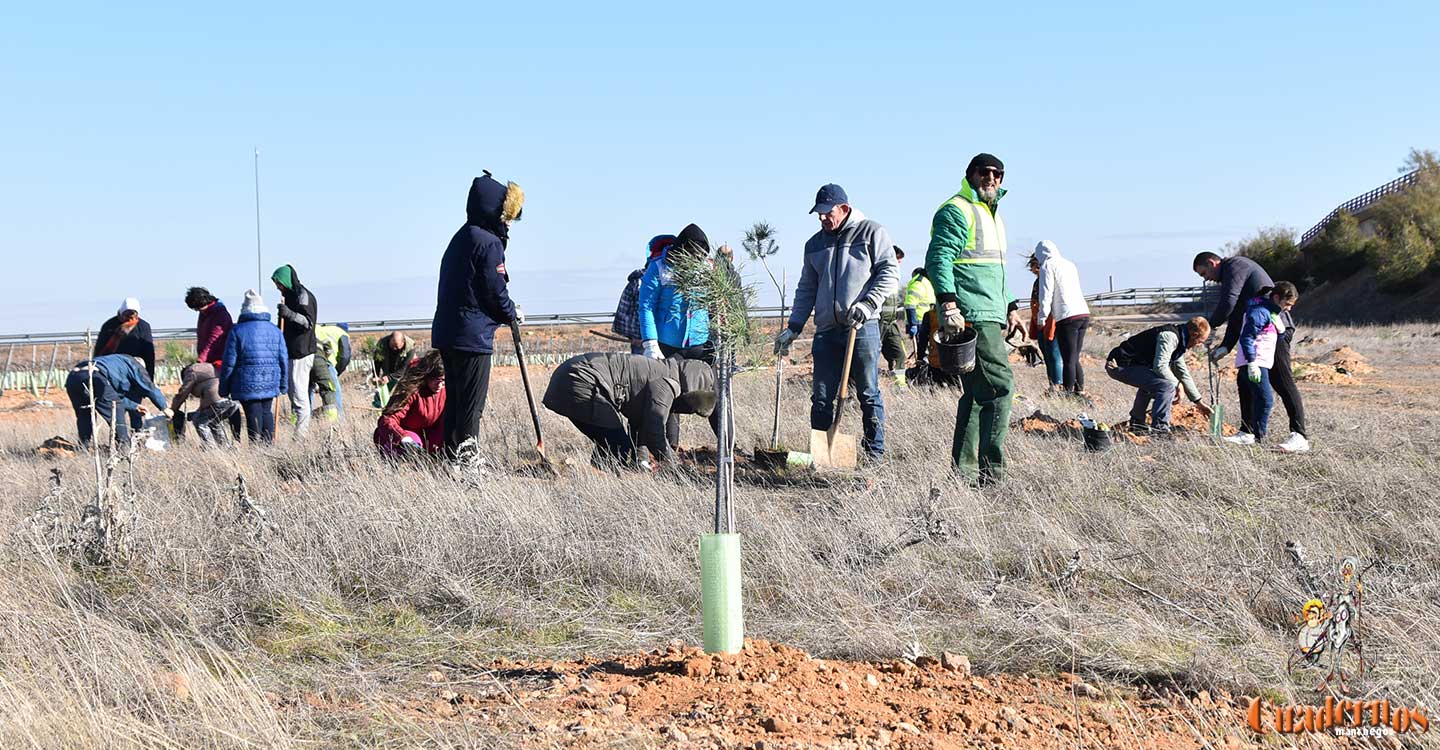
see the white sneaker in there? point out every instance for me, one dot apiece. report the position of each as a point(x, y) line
point(1243, 438)
point(1297, 443)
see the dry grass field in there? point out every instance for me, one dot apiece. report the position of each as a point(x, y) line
point(367, 588)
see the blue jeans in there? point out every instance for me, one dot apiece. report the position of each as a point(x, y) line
point(1260, 398)
point(1153, 393)
point(1054, 362)
point(829, 353)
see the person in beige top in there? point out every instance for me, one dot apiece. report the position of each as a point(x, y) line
point(214, 413)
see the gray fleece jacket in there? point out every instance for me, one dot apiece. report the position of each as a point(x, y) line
point(855, 263)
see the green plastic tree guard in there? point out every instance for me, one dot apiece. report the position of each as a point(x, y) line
point(720, 593)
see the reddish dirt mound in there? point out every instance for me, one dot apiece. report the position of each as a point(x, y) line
point(772, 696)
point(1044, 424)
point(1184, 416)
point(1336, 367)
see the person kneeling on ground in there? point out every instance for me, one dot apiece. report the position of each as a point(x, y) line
point(414, 419)
point(601, 392)
point(214, 414)
point(1153, 361)
point(119, 383)
point(1255, 356)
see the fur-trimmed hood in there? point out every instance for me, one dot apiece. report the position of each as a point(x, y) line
point(492, 205)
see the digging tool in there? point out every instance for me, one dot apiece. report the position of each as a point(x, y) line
point(1217, 409)
point(830, 448)
point(530, 399)
point(609, 336)
point(285, 375)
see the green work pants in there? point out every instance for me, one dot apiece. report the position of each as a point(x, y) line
point(983, 417)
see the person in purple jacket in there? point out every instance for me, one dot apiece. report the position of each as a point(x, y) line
point(212, 325)
point(472, 300)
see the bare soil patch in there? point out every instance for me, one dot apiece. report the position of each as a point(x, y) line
point(775, 696)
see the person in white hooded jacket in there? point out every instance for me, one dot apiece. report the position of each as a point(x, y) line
point(1062, 300)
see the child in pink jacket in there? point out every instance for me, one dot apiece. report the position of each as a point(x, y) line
point(1255, 355)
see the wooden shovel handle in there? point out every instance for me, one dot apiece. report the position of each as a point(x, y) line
point(844, 383)
point(845, 371)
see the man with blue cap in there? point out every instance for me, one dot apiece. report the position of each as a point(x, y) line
point(848, 272)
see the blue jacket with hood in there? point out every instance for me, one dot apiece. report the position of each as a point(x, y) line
point(473, 298)
point(256, 360)
point(665, 315)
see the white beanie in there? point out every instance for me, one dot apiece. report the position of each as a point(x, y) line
point(130, 303)
point(254, 303)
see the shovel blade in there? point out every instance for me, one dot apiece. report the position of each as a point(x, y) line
point(833, 450)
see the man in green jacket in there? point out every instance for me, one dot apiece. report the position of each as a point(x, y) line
point(966, 264)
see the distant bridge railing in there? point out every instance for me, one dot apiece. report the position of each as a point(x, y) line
point(1360, 203)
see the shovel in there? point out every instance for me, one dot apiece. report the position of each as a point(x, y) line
point(530, 399)
point(830, 448)
point(1217, 409)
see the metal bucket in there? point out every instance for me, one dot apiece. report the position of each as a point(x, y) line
point(957, 353)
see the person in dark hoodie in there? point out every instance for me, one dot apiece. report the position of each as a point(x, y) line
point(603, 393)
point(297, 312)
point(471, 301)
point(126, 333)
point(212, 324)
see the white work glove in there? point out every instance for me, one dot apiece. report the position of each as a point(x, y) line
point(1218, 353)
point(858, 314)
point(783, 341)
point(954, 321)
point(652, 349)
point(1252, 371)
point(519, 315)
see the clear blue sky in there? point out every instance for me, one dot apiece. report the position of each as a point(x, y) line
point(1133, 135)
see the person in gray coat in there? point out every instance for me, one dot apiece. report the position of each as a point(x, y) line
point(849, 270)
point(604, 392)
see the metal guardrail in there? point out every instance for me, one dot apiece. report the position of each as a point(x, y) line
point(1133, 296)
point(1360, 203)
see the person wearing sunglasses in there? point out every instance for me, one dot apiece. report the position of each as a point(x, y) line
point(966, 264)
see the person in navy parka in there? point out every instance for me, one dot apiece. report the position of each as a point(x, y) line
point(472, 301)
point(255, 368)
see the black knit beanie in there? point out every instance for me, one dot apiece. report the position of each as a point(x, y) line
point(984, 160)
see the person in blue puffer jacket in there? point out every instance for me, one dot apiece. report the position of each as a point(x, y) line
point(256, 367)
point(669, 325)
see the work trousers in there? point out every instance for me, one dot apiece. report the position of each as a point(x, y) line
point(828, 352)
point(892, 345)
point(259, 420)
point(1257, 400)
point(982, 418)
point(612, 444)
point(216, 424)
point(108, 403)
point(300, 391)
point(326, 381)
point(1282, 378)
point(1070, 335)
point(467, 386)
point(701, 353)
point(1153, 394)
